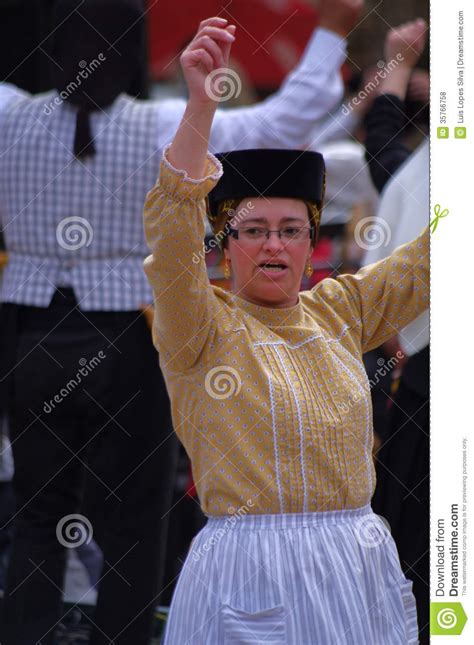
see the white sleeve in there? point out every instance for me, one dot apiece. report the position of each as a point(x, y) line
point(334, 127)
point(8, 93)
point(286, 119)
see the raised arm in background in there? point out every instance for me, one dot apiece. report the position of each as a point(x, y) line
point(385, 150)
point(287, 118)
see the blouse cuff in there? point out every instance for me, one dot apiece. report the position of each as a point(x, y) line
point(177, 183)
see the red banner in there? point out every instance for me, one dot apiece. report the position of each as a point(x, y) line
point(271, 34)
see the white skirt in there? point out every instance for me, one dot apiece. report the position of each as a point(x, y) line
point(328, 578)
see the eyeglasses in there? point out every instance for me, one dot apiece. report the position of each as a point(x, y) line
point(259, 233)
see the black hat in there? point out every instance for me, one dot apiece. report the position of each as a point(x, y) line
point(298, 174)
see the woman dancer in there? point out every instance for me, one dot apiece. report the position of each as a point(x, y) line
point(270, 397)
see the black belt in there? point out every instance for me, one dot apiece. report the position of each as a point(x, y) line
point(62, 303)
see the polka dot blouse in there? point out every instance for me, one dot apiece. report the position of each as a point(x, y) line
point(272, 405)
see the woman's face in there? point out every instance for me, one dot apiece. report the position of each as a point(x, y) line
point(249, 257)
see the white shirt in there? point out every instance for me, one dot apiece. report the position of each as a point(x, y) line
point(348, 181)
point(79, 222)
point(405, 207)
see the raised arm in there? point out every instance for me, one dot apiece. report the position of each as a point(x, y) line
point(382, 298)
point(287, 118)
point(186, 310)
point(385, 150)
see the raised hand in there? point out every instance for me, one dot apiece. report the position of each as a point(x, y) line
point(207, 52)
point(406, 42)
point(340, 16)
point(419, 86)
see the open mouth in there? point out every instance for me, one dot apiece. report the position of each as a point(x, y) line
point(272, 267)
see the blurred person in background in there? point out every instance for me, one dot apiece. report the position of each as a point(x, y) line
point(69, 411)
point(386, 143)
point(402, 493)
point(75, 167)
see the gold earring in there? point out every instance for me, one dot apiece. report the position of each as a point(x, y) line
point(226, 270)
point(309, 269)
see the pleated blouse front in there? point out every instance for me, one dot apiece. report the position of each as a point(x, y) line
point(272, 405)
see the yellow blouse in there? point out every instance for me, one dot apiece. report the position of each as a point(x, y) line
point(272, 405)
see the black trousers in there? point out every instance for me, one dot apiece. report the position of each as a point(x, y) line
point(88, 402)
point(402, 495)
